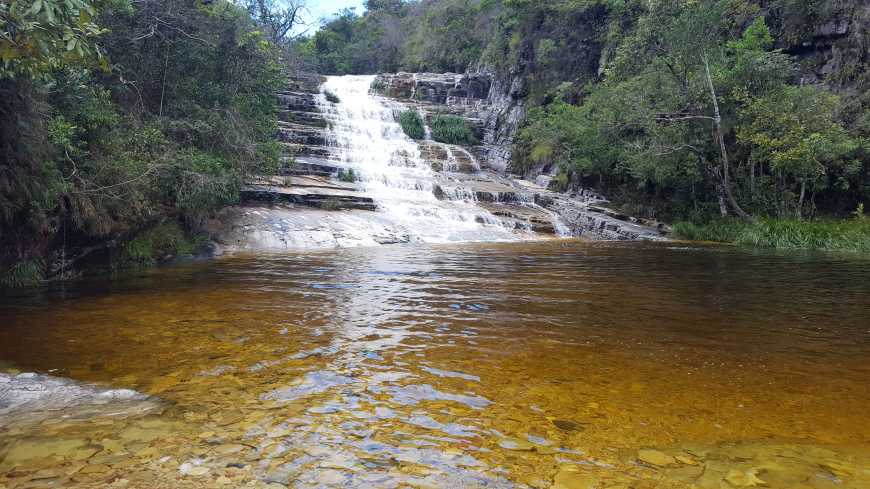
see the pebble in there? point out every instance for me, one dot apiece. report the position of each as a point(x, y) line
point(570, 478)
point(739, 478)
point(686, 460)
point(95, 469)
point(655, 457)
point(198, 471)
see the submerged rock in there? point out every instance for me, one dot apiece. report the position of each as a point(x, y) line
point(748, 478)
point(655, 457)
point(31, 396)
point(570, 478)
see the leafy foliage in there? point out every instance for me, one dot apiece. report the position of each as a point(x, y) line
point(451, 129)
point(412, 124)
point(644, 133)
point(152, 245)
point(114, 116)
point(347, 175)
point(331, 97)
point(394, 35)
point(41, 35)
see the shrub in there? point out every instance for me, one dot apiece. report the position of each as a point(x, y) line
point(412, 124)
point(347, 175)
point(451, 130)
point(331, 204)
point(331, 97)
point(27, 273)
point(149, 247)
point(560, 182)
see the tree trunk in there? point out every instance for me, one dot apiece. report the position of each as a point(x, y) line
point(720, 138)
point(751, 179)
point(800, 206)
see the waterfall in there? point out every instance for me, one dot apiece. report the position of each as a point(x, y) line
point(365, 137)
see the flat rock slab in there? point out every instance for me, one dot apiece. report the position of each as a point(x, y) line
point(277, 229)
point(29, 397)
point(303, 182)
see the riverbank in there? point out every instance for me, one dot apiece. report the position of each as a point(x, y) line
point(825, 235)
point(150, 246)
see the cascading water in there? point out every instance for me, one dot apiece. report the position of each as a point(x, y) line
point(365, 137)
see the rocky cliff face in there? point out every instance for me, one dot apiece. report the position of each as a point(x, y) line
point(836, 50)
point(495, 107)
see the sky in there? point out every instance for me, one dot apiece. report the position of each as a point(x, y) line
point(325, 8)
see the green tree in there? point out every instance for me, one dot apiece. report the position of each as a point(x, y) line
point(37, 36)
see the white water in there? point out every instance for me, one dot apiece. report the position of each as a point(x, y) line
point(367, 139)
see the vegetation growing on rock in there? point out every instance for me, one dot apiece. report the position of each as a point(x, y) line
point(412, 124)
point(451, 129)
point(674, 110)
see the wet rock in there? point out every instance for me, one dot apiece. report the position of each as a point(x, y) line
point(748, 478)
point(566, 425)
point(655, 457)
point(570, 478)
point(685, 460)
point(95, 469)
point(45, 474)
point(516, 444)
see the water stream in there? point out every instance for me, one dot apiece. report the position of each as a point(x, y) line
point(553, 364)
point(366, 138)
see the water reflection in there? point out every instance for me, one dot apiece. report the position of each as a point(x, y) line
point(527, 365)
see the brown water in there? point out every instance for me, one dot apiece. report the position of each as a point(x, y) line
point(554, 364)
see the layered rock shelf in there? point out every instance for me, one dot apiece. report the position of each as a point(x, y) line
point(307, 204)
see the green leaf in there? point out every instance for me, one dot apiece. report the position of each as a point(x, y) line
point(35, 8)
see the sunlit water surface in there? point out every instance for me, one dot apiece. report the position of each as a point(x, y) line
point(553, 364)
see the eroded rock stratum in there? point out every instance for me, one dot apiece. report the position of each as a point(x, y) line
point(351, 177)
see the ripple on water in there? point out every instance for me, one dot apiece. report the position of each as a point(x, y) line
point(312, 383)
point(409, 395)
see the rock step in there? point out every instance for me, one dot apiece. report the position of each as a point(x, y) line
point(321, 198)
point(315, 166)
point(305, 182)
point(447, 158)
point(313, 119)
point(304, 82)
point(297, 150)
point(434, 87)
point(529, 217)
point(298, 102)
point(301, 134)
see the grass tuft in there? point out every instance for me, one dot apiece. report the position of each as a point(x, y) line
point(451, 129)
point(347, 175)
point(788, 234)
point(412, 124)
point(151, 246)
point(331, 96)
point(330, 204)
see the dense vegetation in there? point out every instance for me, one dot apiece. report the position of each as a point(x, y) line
point(676, 110)
point(123, 124)
point(451, 129)
point(412, 124)
point(698, 114)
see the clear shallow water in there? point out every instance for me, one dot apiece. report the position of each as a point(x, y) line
point(548, 364)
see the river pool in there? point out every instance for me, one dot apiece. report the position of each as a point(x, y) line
point(557, 364)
